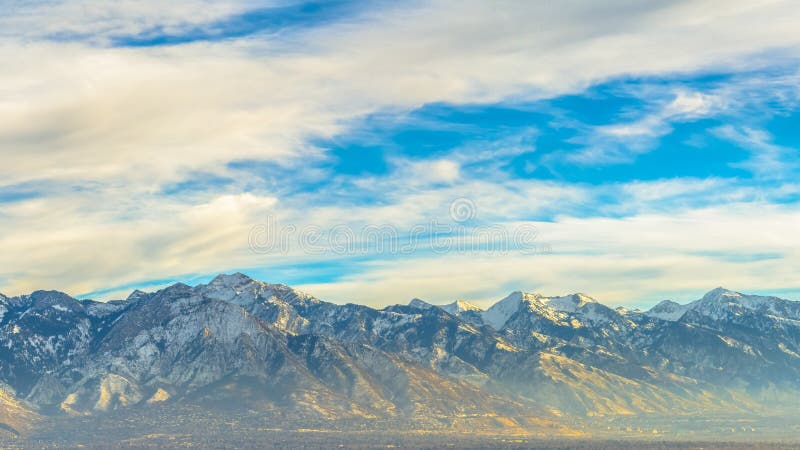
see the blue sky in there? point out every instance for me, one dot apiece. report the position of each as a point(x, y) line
point(653, 147)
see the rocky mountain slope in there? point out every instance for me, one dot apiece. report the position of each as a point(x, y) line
point(527, 362)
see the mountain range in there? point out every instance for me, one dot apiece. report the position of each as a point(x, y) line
point(528, 364)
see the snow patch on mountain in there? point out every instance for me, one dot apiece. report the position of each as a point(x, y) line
point(3, 307)
point(100, 309)
point(567, 303)
point(598, 313)
point(390, 321)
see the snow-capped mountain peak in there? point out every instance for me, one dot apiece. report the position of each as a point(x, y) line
point(499, 313)
point(237, 288)
point(136, 295)
point(667, 310)
point(232, 280)
point(720, 303)
point(460, 306)
point(420, 304)
point(50, 296)
point(720, 293)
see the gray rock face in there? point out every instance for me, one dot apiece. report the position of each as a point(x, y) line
point(240, 342)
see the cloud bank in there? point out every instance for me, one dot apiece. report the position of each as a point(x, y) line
point(142, 141)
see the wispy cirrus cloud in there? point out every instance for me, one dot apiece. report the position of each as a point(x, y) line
point(622, 142)
point(747, 99)
point(99, 23)
point(768, 160)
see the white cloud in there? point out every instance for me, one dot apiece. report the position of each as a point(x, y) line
point(164, 110)
point(113, 126)
point(690, 104)
point(75, 246)
point(427, 172)
point(636, 258)
point(632, 261)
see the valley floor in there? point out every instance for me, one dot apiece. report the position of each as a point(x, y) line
point(368, 440)
point(199, 429)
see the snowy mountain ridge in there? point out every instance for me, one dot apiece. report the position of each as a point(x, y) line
point(720, 302)
point(243, 341)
